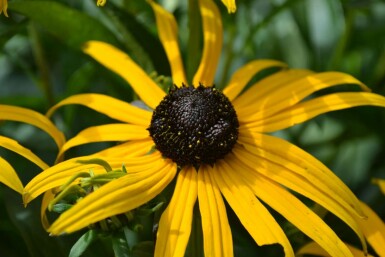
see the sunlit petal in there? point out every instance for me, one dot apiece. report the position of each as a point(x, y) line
point(293, 210)
point(36, 119)
point(109, 106)
point(313, 248)
point(8, 176)
point(243, 75)
point(216, 229)
point(168, 35)
point(212, 43)
point(304, 111)
point(175, 223)
point(104, 133)
point(14, 146)
point(120, 63)
point(115, 197)
point(230, 4)
point(253, 215)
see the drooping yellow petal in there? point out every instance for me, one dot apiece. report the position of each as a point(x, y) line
point(109, 106)
point(47, 198)
point(265, 88)
point(253, 215)
point(59, 174)
point(103, 133)
point(279, 173)
point(216, 229)
point(374, 230)
point(299, 162)
point(292, 209)
point(176, 221)
point(120, 63)
point(243, 75)
point(14, 146)
point(304, 111)
point(8, 176)
point(313, 248)
point(288, 94)
point(168, 35)
point(36, 119)
point(116, 197)
point(230, 4)
point(212, 43)
point(3, 7)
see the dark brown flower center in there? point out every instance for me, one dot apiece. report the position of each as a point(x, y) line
point(193, 126)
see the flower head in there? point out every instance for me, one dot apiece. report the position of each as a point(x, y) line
point(231, 157)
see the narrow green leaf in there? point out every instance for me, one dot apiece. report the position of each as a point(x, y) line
point(81, 245)
point(120, 246)
point(73, 27)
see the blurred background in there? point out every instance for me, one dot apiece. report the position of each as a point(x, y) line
point(41, 63)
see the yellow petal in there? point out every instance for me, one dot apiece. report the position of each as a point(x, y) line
point(8, 176)
point(3, 7)
point(34, 118)
point(176, 221)
point(59, 174)
point(374, 230)
point(47, 198)
point(230, 4)
point(253, 215)
point(116, 197)
point(168, 34)
point(14, 146)
point(293, 92)
point(127, 149)
point(109, 106)
point(293, 158)
point(243, 75)
point(381, 184)
point(216, 229)
point(313, 248)
point(212, 43)
point(120, 63)
point(293, 210)
point(307, 110)
point(103, 133)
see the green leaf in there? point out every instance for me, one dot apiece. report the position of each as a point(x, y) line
point(120, 246)
point(74, 28)
point(81, 245)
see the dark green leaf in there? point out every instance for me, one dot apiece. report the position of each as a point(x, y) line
point(120, 246)
point(81, 245)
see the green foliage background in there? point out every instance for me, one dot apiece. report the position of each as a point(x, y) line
point(41, 62)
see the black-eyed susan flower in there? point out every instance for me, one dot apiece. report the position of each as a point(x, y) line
point(8, 175)
point(217, 146)
point(4, 7)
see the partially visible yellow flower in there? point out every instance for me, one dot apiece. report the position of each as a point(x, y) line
point(3, 7)
point(101, 2)
point(230, 4)
point(8, 175)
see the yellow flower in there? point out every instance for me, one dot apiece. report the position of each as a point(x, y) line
point(8, 175)
point(217, 146)
point(3, 7)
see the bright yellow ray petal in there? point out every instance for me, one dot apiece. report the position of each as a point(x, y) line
point(47, 198)
point(299, 162)
point(8, 176)
point(116, 197)
point(212, 43)
point(120, 63)
point(168, 34)
point(128, 149)
point(216, 229)
point(307, 110)
point(290, 93)
point(253, 215)
point(374, 230)
point(230, 4)
point(279, 173)
point(313, 248)
point(36, 119)
point(176, 221)
point(59, 174)
point(109, 106)
point(103, 133)
point(14, 146)
point(293, 210)
point(243, 75)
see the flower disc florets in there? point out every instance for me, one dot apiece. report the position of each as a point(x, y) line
point(194, 125)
